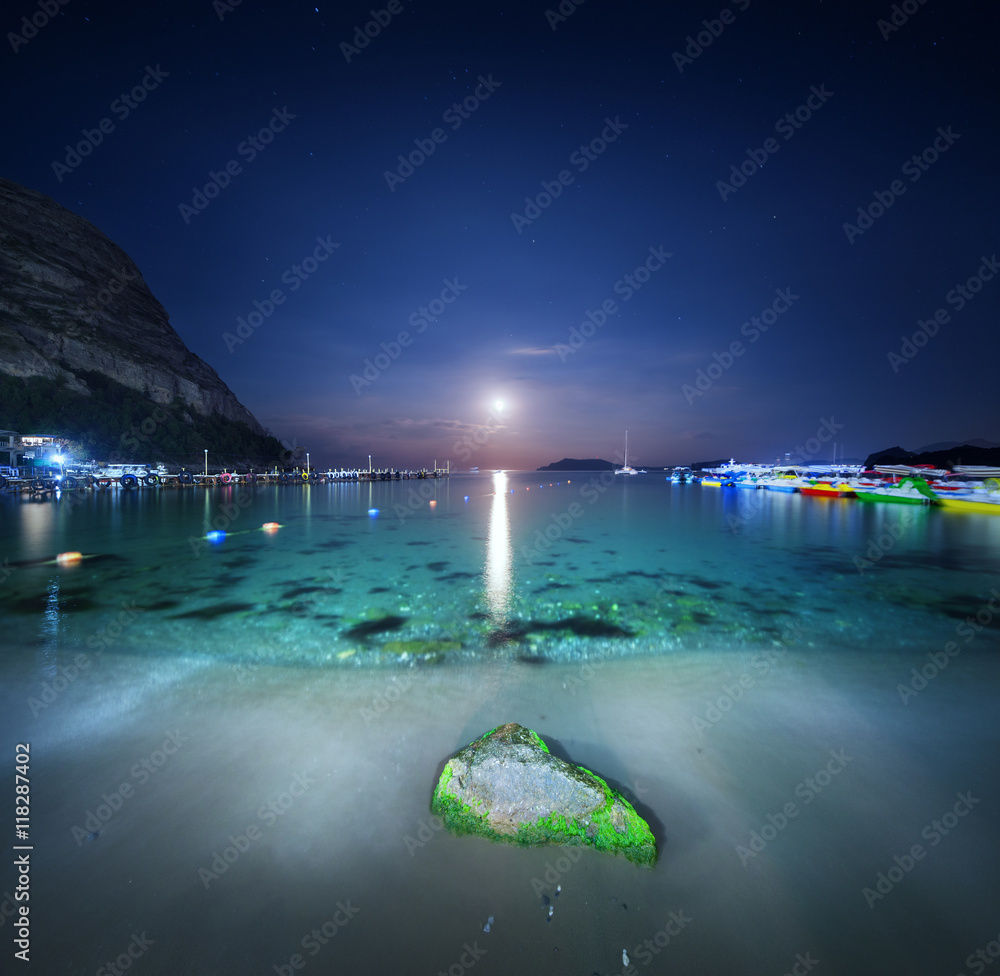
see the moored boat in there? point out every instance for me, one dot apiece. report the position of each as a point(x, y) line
point(982, 505)
point(625, 469)
point(909, 491)
point(828, 490)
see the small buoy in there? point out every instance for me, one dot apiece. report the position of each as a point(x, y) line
point(373, 512)
point(558, 890)
point(433, 503)
point(466, 497)
point(68, 558)
point(489, 923)
point(271, 526)
point(624, 957)
point(552, 911)
point(217, 536)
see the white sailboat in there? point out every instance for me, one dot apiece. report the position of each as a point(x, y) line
point(625, 469)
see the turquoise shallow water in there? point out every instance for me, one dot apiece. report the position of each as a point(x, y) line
point(509, 565)
point(229, 741)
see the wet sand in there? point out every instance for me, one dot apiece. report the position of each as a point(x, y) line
point(263, 803)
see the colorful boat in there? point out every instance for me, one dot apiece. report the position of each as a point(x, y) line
point(824, 489)
point(782, 482)
point(988, 505)
point(910, 491)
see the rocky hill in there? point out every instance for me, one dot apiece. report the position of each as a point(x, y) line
point(74, 308)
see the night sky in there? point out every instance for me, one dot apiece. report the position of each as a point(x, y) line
point(571, 236)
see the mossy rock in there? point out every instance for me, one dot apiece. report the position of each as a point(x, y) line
point(507, 786)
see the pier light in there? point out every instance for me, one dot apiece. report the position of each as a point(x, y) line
point(307, 462)
point(206, 462)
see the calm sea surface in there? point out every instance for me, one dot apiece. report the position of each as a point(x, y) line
point(234, 742)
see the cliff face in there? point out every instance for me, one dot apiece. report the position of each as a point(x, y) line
point(72, 301)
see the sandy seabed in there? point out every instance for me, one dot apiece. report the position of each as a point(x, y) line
point(222, 820)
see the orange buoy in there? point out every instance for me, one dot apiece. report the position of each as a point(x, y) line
point(433, 503)
point(68, 558)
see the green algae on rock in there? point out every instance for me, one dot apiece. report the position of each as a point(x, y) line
point(506, 786)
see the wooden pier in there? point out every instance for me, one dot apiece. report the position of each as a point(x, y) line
point(189, 479)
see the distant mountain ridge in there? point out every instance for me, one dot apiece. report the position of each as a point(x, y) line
point(943, 457)
point(950, 445)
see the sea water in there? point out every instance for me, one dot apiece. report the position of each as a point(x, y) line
point(233, 742)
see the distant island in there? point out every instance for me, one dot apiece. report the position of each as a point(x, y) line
point(576, 464)
point(941, 454)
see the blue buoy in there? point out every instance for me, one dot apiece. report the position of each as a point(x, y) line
point(373, 512)
point(217, 536)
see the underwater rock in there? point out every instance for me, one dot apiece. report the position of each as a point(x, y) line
point(507, 787)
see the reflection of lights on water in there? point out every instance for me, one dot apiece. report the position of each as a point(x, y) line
point(499, 557)
point(48, 655)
